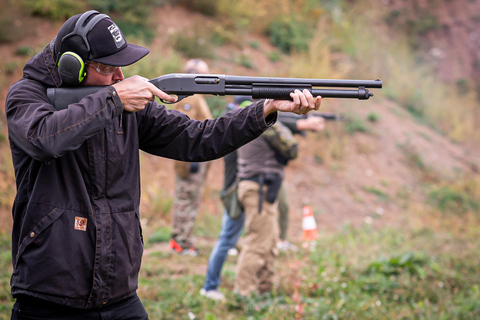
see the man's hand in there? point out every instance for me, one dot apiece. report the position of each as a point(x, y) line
point(303, 102)
point(135, 92)
point(311, 123)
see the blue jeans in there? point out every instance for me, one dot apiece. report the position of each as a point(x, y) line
point(231, 230)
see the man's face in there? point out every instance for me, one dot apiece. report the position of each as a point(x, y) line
point(99, 74)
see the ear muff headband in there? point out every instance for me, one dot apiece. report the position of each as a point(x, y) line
point(71, 64)
point(82, 31)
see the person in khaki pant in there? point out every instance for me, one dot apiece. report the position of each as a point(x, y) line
point(261, 165)
point(189, 176)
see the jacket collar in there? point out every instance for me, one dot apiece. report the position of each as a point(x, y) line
point(42, 68)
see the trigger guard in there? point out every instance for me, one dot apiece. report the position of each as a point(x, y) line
point(179, 98)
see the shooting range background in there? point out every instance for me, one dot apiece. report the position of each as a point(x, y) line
point(404, 162)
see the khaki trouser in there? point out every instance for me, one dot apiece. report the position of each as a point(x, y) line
point(283, 208)
point(255, 266)
point(188, 194)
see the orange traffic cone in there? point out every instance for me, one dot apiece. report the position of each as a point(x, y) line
point(309, 226)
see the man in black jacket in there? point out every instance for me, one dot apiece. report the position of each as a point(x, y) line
point(77, 240)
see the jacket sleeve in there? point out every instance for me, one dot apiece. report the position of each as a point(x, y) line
point(172, 134)
point(45, 133)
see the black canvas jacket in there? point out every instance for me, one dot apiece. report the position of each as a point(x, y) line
point(77, 238)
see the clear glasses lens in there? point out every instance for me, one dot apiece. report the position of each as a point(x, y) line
point(103, 68)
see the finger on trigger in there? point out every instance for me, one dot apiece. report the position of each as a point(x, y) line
point(162, 95)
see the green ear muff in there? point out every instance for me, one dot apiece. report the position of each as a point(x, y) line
point(245, 103)
point(71, 68)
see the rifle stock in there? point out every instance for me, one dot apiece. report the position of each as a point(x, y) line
point(184, 85)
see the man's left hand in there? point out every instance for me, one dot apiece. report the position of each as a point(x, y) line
point(303, 102)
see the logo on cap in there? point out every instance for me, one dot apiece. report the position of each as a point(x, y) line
point(117, 35)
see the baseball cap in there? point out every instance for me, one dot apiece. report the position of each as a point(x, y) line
point(104, 43)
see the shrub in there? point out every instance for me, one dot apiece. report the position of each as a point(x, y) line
point(10, 67)
point(380, 194)
point(193, 46)
point(450, 200)
point(222, 36)
point(373, 117)
point(289, 34)
point(24, 51)
point(163, 234)
point(13, 26)
point(398, 264)
point(244, 61)
point(206, 7)
point(54, 9)
point(132, 15)
point(355, 124)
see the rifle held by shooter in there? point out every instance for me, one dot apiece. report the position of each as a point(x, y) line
point(186, 84)
point(329, 116)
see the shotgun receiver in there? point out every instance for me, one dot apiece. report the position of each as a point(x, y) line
point(186, 84)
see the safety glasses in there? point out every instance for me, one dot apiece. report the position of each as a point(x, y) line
point(101, 68)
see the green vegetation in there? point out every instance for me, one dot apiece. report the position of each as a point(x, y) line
point(54, 9)
point(379, 193)
point(289, 35)
point(355, 124)
point(373, 117)
point(362, 273)
point(162, 234)
point(193, 46)
point(428, 269)
point(216, 104)
point(415, 161)
point(456, 198)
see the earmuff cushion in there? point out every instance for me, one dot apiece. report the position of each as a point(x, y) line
point(71, 68)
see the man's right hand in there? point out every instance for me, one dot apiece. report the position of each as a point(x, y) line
point(135, 92)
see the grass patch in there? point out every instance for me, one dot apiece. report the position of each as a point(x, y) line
point(455, 198)
point(380, 194)
point(373, 117)
point(354, 123)
point(163, 234)
point(415, 161)
point(361, 273)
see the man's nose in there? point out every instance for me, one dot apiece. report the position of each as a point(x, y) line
point(118, 75)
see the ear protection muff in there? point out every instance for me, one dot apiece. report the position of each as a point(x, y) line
point(71, 63)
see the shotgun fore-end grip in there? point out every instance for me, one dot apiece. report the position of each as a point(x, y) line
point(274, 93)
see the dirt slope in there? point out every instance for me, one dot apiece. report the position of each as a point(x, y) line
point(340, 192)
point(363, 184)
